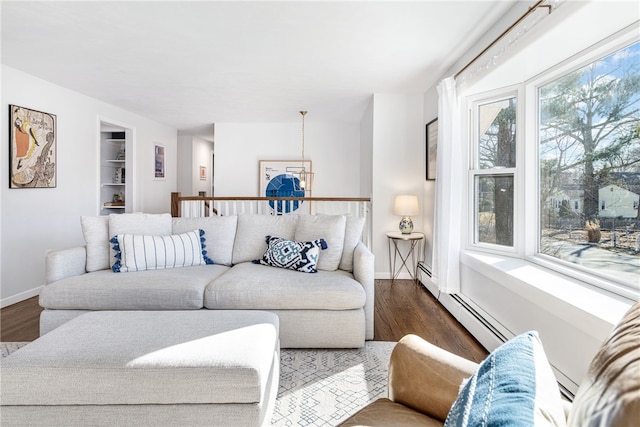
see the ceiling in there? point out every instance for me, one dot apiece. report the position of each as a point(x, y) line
point(190, 64)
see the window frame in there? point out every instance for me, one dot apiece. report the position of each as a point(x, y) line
point(526, 174)
point(474, 170)
point(602, 49)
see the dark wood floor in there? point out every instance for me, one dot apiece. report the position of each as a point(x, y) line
point(402, 307)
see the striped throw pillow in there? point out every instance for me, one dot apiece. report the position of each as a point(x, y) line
point(139, 252)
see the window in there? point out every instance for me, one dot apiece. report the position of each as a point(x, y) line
point(589, 151)
point(565, 191)
point(495, 123)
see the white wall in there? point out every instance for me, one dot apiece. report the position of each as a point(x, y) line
point(333, 148)
point(366, 151)
point(570, 332)
point(398, 166)
point(36, 220)
point(185, 165)
point(194, 152)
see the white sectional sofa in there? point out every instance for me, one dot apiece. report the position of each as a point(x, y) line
point(330, 308)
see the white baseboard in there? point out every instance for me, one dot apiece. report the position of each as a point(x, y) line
point(20, 297)
point(387, 276)
point(472, 321)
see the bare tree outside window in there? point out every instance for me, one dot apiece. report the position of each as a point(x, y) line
point(589, 153)
point(496, 122)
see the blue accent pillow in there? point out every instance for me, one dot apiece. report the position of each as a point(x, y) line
point(514, 386)
point(292, 255)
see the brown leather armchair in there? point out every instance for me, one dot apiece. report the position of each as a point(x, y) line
point(424, 381)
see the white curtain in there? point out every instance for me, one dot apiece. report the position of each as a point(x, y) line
point(450, 182)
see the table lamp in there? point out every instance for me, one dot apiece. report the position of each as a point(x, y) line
point(405, 206)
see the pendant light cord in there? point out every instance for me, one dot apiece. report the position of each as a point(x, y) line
point(303, 113)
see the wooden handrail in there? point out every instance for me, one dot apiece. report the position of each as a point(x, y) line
point(177, 198)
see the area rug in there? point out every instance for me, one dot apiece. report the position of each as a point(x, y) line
point(319, 387)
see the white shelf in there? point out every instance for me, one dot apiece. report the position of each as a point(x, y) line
point(112, 165)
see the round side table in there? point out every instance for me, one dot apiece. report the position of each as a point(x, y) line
point(415, 239)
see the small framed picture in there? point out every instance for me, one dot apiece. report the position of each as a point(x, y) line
point(203, 173)
point(159, 159)
point(431, 148)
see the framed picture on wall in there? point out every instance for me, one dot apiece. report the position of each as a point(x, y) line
point(32, 148)
point(203, 173)
point(431, 148)
point(278, 179)
point(159, 158)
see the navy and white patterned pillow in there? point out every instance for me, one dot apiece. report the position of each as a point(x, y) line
point(136, 252)
point(513, 386)
point(292, 255)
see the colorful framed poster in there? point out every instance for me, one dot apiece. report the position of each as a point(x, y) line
point(159, 159)
point(32, 148)
point(277, 179)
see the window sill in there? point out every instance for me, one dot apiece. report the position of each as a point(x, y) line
point(594, 310)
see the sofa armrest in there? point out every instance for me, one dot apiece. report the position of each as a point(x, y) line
point(425, 377)
point(66, 263)
point(364, 272)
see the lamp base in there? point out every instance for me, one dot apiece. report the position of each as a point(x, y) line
point(406, 225)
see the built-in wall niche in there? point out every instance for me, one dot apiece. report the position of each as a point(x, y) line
point(115, 169)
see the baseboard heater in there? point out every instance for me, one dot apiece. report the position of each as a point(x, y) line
point(567, 394)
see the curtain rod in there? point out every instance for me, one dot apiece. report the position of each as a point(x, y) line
point(504, 33)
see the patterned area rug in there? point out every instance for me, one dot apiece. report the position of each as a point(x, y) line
point(324, 387)
point(319, 387)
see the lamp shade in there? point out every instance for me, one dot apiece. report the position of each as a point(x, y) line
point(406, 205)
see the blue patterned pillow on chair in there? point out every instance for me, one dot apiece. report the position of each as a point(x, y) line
point(292, 255)
point(513, 386)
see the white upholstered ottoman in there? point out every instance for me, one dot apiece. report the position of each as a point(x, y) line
point(139, 368)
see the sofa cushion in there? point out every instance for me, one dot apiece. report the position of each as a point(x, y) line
point(138, 252)
point(172, 289)
point(249, 286)
point(328, 227)
point(299, 256)
point(220, 232)
point(95, 230)
point(254, 228)
point(352, 235)
point(138, 223)
point(513, 386)
point(609, 395)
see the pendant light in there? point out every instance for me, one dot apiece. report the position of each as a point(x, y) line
point(305, 177)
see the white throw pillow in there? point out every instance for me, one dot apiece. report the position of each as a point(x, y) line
point(138, 223)
point(95, 230)
point(331, 228)
point(352, 235)
point(220, 232)
point(138, 252)
point(252, 230)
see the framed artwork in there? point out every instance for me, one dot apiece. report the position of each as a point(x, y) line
point(203, 173)
point(159, 161)
point(432, 148)
point(277, 179)
point(32, 148)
